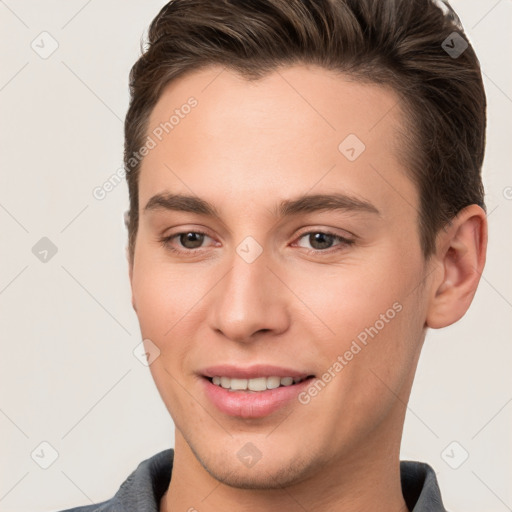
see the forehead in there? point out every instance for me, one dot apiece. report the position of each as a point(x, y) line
point(330, 103)
point(298, 128)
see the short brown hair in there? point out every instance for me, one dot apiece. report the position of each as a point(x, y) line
point(402, 44)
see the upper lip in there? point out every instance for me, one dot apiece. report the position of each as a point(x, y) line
point(252, 372)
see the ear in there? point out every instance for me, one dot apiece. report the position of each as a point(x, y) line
point(460, 255)
point(128, 258)
point(130, 273)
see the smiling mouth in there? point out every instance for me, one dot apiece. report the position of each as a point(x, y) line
point(257, 384)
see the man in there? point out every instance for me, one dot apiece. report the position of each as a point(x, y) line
point(305, 202)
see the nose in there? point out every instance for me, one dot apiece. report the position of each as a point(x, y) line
point(249, 300)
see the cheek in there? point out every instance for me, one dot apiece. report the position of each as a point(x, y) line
point(153, 301)
point(368, 364)
point(367, 312)
point(163, 294)
point(343, 300)
point(164, 300)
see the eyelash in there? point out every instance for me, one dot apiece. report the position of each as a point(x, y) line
point(344, 242)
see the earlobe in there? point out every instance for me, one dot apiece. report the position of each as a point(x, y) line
point(461, 250)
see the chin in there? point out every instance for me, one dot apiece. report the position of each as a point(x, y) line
point(267, 473)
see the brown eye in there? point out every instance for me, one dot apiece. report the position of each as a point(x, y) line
point(191, 240)
point(184, 242)
point(320, 241)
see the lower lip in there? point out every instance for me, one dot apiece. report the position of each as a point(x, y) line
point(257, 404)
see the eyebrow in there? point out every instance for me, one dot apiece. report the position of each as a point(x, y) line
point(286, 208)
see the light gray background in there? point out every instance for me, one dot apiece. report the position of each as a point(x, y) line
point(68, 373)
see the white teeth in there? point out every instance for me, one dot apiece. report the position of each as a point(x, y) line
point(259, 384)
point(238, 384)
point(256, 384)
point(273, 382)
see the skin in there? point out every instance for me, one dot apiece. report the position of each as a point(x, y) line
point(244, 148)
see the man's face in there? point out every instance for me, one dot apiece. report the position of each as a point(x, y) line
point(315, 292)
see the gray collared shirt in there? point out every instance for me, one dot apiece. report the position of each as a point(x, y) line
point(144, 488)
